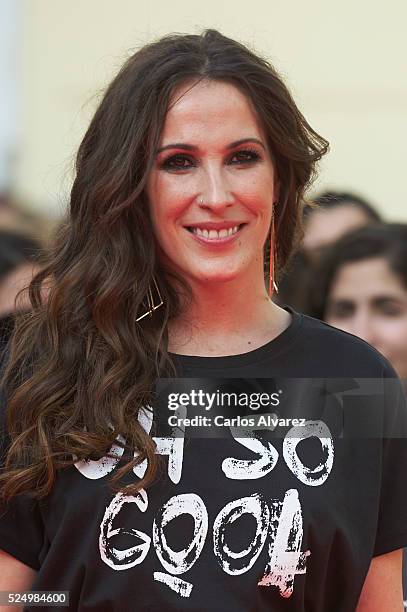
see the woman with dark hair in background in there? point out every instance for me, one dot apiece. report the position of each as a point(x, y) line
point(19, 261)
point(329, 216)
point(360, 286)
point(336, 213)
point(190, 176)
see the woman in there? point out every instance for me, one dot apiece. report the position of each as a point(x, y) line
point(336, 214)
point(362, 289)
point(19, 260)
point(195, 157)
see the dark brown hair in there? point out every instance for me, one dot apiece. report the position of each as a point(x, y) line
point(80, 366)
point(327, 200)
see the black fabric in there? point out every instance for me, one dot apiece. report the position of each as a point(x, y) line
point(233, 524)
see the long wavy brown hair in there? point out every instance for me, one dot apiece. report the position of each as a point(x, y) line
point(79, 366)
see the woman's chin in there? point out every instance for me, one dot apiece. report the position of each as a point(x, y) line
point(214, 277)
point(211, 272)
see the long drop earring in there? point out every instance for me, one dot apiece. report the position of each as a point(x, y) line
point(272, 281)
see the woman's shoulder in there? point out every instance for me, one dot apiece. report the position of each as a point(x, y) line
point(349, 352)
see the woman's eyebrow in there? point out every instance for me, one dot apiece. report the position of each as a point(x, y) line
point(236, 143)
point(189, 147)
point(178, 145)
point(340, 302)
point(382, 300)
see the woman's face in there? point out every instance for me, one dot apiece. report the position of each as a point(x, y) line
point(367, 299)
point(213, 185)
point(324, 227)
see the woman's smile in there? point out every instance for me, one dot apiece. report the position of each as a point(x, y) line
point(216, 234)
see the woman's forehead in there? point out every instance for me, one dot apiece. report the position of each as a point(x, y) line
point(210, 108)
point(371, 274)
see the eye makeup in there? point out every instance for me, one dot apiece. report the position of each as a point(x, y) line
point(184, 161)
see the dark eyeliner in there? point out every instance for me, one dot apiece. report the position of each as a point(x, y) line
point(253, 156)
point(170, 162)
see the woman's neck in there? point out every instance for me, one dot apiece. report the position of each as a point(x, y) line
point(226, 319)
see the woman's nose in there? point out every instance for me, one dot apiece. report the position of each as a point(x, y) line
point(215, 192)
point(364, 327)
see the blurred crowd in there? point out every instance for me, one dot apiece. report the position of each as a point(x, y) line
point(350, 271)
point(23, 238)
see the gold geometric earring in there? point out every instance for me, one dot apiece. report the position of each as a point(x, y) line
point(150, 301)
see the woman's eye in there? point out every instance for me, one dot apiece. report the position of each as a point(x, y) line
point(245, 157)
point(391, 310)
point(340, 310)
point(178, 162)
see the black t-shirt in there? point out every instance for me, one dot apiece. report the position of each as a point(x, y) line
point(281, 515)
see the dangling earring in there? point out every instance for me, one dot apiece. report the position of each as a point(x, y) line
point(272, 281)
point(150, 301)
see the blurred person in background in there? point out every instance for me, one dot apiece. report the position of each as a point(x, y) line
point(15, 217)
point(9, 214)
point(18, 264)
point(360, 286)
point(329, 216)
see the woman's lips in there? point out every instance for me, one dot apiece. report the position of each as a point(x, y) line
point(212, 239)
